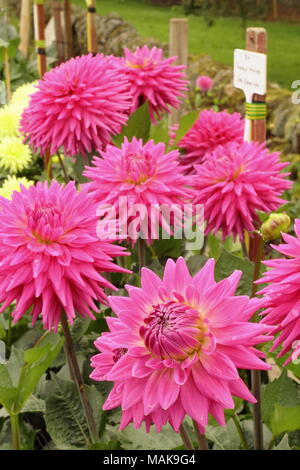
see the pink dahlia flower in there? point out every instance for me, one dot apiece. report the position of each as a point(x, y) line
point(282, 295)
point(204, 83)
point(175, 345)
point(154, 79)
point(144, 174)
point(237, 181)
point(209, 131)
point(51, 258)
point(79, 105)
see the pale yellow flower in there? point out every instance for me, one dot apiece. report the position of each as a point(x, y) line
point(22, 94)
point(14, 155)
point(12, 183)
point(9, 121)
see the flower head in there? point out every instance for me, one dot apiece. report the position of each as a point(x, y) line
point(51, 256)
point(209, 131)
point(237, 181)
point(145, 174)
point(79, 105)
point(22, 94)
point(14, 155)
point(11, 184)
point(154, 79)
point(175, 346)
point(282, 295)
point(204, 83)
point(9, 121)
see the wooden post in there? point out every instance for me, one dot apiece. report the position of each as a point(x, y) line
point(39, 34)
point(91, 27)
point(178, 46)
point(275, 10)
point(68, 30)
point(59, 35)
point(256, 41)
point(25, 27)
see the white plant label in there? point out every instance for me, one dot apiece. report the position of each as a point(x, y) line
point(250, 75)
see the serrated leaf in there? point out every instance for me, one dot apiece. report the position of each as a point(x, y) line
point(64, 417)
point(294, 440)
point(137, 439)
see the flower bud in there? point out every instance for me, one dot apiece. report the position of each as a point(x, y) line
point(275, 224)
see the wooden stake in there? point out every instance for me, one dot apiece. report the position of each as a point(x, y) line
point(7, 75)
point(68, 30)
point(256, 41)
point(91, 27)
point(275, 10)
point(59, 35)
point(39, 34)
point(178, 47)
point(25, 27)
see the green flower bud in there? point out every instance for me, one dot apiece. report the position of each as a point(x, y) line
point(274, 225)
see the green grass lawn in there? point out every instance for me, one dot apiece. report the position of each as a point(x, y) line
point(218, 40)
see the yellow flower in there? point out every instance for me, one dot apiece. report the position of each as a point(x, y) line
point(12, 183)
point(9, 121)
point(22, 94)
point(14, 155)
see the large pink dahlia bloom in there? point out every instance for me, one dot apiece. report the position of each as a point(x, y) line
point(282, 295)
point(154, 79)
point(51, 258)
point(79, 105)
point(175, 345)
point(144, 174)
point(237, 181)
point(210, 130)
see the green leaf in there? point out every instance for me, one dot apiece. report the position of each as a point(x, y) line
point(8, 393)
point(34, 405)
point(224, 438)
point(195, 263)
point(225, 266)
point(284, 419)
point(168, 248)
point(64, 417)
point(111, 445)
point(160, 132)
point(35, 354)
point(136, 439)
point(186, 123)
point(294, 440)
point(2, 352)
point(80, 327)
point(138, 125)
point(281, 405)
point(40, 359)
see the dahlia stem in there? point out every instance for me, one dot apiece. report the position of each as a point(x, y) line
point(77, 377)
point(256, 255)
point(240, 431)
point(258, 428)
point(203, 445)
point(186, 438)
point(141, 252)
point(63, 167)
point(15, 431)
